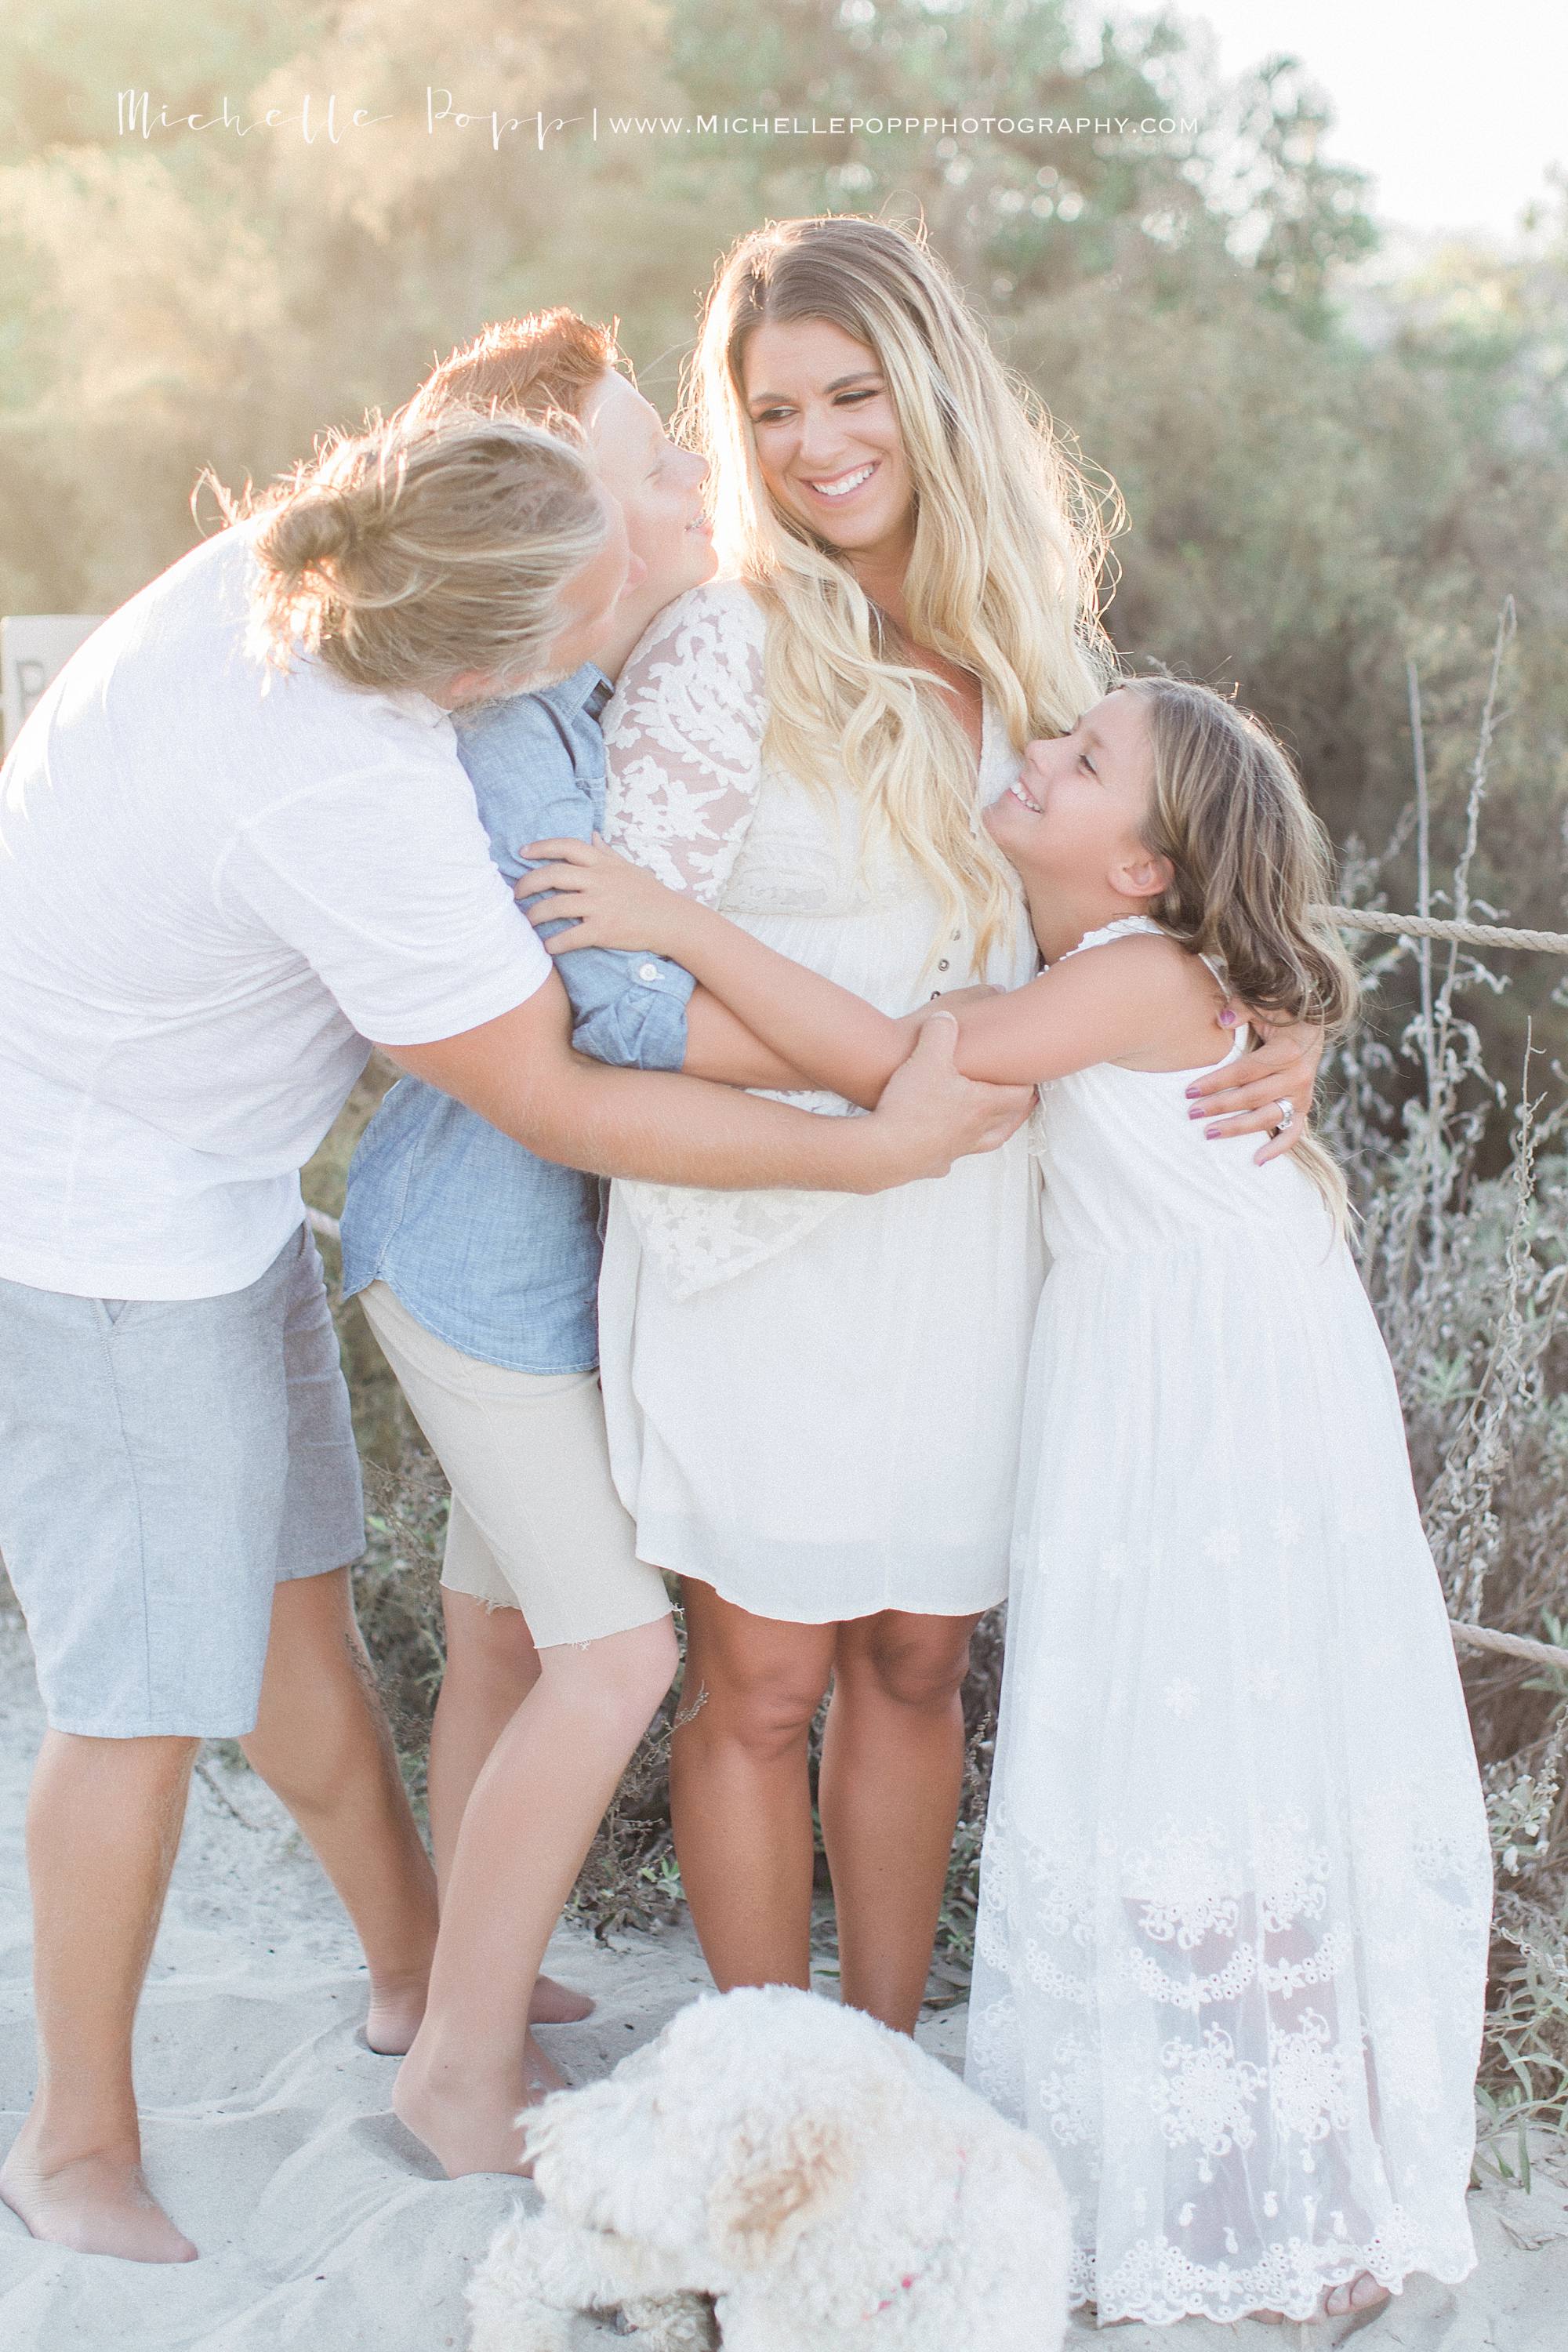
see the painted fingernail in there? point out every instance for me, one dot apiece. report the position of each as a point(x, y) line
point(1192, 1090)
point(1211, 1131)
point(1196, 1111)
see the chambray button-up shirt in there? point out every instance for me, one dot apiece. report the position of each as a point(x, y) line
point(494, 1251)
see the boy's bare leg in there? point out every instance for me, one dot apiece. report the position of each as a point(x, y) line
point(103, 1828)
point(528, 1826)
point(491, 1667)
point(323, 1744)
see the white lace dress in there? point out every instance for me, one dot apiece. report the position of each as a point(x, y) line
point(1235, 1885)
point(814, 1399)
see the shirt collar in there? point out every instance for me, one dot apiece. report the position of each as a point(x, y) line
point(587, 689)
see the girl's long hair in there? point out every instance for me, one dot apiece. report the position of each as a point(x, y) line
point(1009, 541)
point(1252, 872)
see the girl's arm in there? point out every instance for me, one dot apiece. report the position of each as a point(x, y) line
point(718, 1045)
point(1078, 1014)
point(812, 1031)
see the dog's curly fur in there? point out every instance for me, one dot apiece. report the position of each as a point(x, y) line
point(783, 2175)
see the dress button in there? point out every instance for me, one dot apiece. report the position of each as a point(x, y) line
point(958, 935)
point(934, 994)
point(647, 971)
point(943, 965)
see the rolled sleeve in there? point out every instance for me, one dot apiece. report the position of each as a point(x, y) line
point(629, 1009)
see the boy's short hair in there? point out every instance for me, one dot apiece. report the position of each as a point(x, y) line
point(533, 368)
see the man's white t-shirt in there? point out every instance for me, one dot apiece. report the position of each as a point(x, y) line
point(216, 881)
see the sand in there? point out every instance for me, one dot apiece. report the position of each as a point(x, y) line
point(322, 2224)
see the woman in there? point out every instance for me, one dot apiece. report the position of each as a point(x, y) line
point(815, 1404)
point(477, 1264)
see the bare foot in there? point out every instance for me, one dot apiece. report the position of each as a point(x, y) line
point(557, 2004)
point(394, 2015)
point(396, 2011)
point(1359, 2300)
point(97, 2205)
point(469, 2123)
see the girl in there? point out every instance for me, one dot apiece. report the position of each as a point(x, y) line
point(814, 1406)
point(1237, 1877)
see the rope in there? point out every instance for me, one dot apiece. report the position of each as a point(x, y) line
point(1426, 927)
point(1508, 1645)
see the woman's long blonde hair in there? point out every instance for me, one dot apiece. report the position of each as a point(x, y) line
point(422, 549)
point(1252, 872)
point(1003, 580)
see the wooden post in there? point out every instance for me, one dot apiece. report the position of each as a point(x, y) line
point(34, 648)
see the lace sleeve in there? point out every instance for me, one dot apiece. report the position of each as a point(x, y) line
point(683, 740)
point(683, 765)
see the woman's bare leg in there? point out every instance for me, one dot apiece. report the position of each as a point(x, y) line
point(528, 1824)
point(491, 1667)
point(739, 1787)
point(323, 1744)
point(892, 1772)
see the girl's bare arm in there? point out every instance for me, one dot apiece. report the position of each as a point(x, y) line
point(1064, 1021)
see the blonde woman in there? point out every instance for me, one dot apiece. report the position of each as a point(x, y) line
point(815, 1403)
point(236, 841)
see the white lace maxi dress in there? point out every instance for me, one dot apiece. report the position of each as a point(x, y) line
point(1237, 1879)
point(814, 1400)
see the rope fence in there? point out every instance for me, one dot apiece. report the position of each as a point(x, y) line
point(1508, 1645)
point(1418, 926)
point(1428, 927)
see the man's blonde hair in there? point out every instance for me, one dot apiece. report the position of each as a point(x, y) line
point(422, 549)
point(1009, 542)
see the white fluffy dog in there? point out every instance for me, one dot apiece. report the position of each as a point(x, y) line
point(813, 2180)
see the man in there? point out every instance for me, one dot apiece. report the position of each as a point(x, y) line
point(235, 842)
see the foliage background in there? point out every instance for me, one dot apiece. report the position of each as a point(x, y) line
point(1334, 463)
point(1339, 458)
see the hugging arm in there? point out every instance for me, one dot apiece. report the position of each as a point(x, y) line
point(1061, 1022)
point(1072, 1016)
point(1246, 1097)
point(520, 1073)
point(847, 1045)
point(1240, 1097)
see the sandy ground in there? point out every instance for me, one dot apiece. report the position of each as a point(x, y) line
point(321, 2224)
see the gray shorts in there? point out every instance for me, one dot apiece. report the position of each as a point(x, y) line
point(163, 1464)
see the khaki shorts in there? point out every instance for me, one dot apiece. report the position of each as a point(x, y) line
point(536, 1523)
